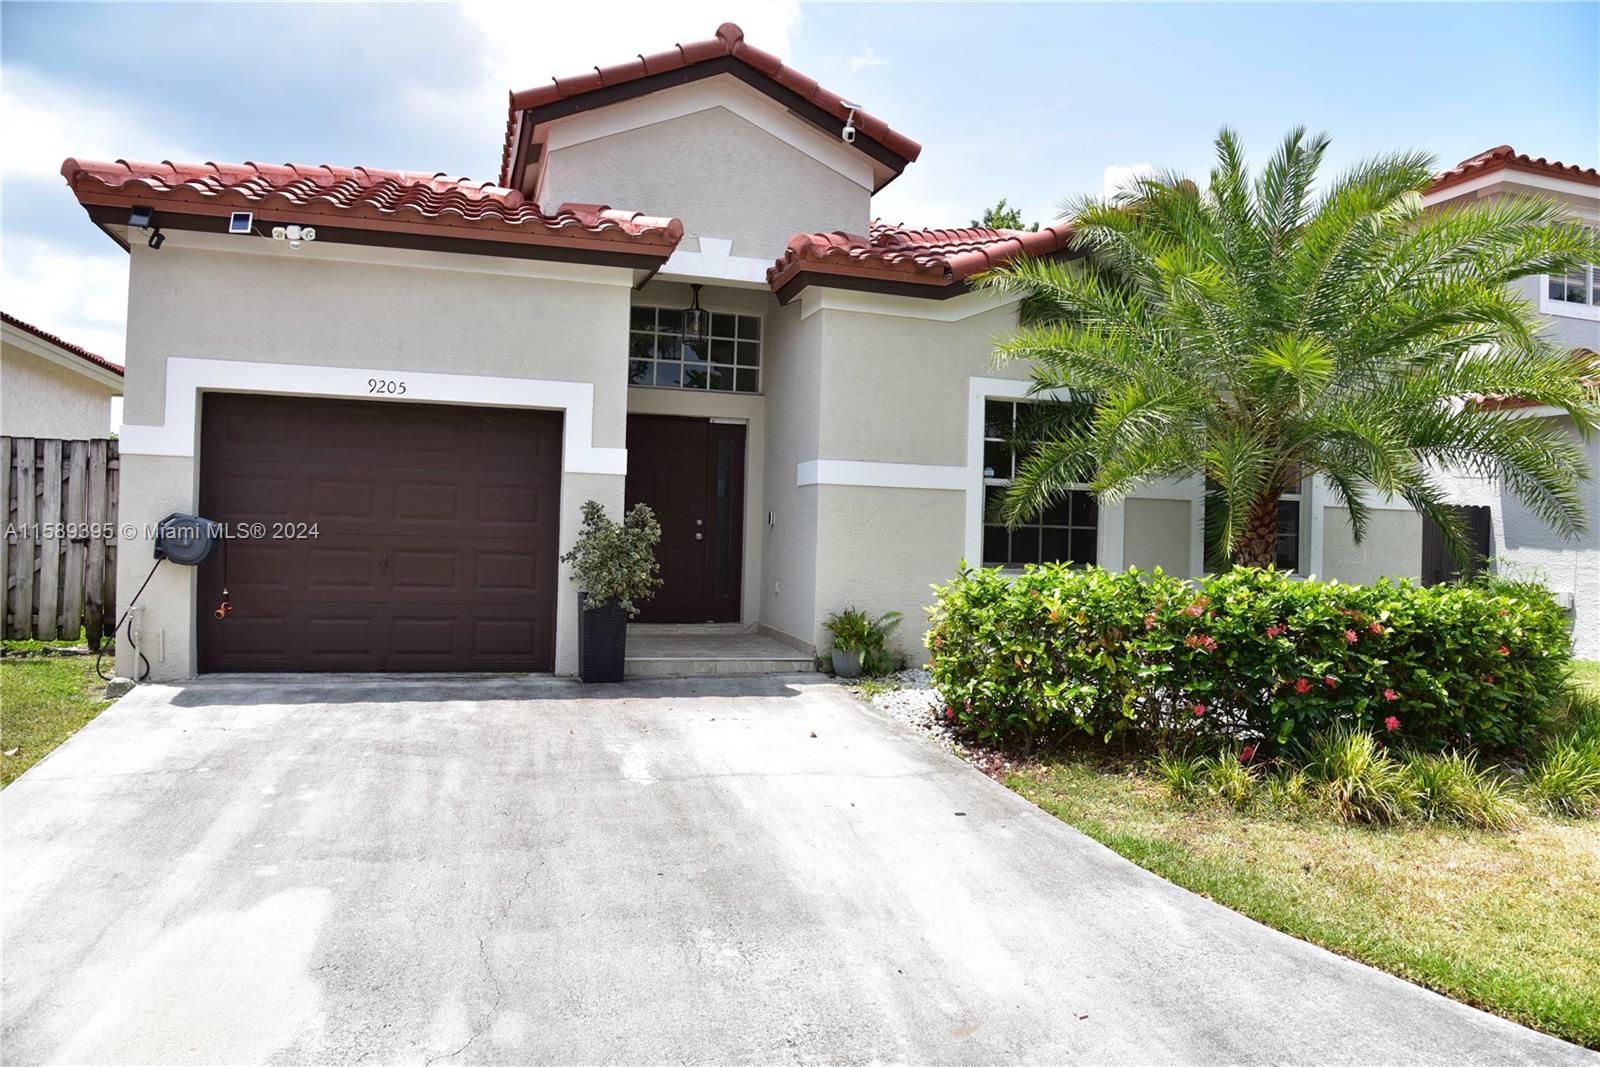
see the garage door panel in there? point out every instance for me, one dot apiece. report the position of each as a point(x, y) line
point(437, 535)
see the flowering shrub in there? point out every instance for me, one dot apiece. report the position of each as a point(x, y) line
point(1251, 654)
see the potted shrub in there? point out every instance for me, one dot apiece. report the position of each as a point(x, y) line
point(858, 640)
point(613, 565)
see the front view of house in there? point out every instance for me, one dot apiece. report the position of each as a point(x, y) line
point(399, 388)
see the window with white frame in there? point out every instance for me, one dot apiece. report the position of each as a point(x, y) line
point(1581, 287)
point(1067, 531)
point(728, 360)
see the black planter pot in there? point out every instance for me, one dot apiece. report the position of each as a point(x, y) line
point(602, 642)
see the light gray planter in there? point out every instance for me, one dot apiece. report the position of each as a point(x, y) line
point(847, 664)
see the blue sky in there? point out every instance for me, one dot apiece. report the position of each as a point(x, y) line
point(1030, 102)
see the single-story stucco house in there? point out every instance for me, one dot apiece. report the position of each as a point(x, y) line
point(675, 293)
point(50, 388)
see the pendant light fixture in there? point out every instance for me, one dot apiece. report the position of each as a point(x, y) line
point(696, 321)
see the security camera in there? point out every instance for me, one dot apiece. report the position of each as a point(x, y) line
point(308, 233)
point(292, 232)
point(279, 233)
point(848, 134)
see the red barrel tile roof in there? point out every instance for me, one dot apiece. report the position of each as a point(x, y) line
point(936, 257)
point(364, 197)
point(1588, 363)
point(1505, 157)
point(729, 41)
point(65, 346)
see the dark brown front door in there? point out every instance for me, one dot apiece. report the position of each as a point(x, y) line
point(691, 473)
point(435, 542)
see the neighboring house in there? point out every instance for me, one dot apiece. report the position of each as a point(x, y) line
point(1516, 542)
point(53, 388)
point(444, 374)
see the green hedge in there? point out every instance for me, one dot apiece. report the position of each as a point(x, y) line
point(1250, 654)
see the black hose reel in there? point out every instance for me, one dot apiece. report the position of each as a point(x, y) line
point(187, 540)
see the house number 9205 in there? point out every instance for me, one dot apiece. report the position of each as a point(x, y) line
point(386, 385)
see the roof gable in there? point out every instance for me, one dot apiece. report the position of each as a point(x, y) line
point(725, 54)
point(1505, 158)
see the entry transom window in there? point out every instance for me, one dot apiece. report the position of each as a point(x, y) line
point(1581, 287)
point(1068, 530)
point(727, 361)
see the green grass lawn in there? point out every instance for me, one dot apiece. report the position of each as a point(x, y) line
point(43, 701)
point(1587, 673)
point(1503, 921)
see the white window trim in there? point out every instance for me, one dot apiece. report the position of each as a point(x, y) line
point(1565, 309)
point(188, 378)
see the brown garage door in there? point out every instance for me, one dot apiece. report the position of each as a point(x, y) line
point(436, 535)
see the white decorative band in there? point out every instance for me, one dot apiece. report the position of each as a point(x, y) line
point(882, 475)
point(187, 378)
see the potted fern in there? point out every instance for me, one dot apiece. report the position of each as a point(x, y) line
point(613, 565)
point(858, 639)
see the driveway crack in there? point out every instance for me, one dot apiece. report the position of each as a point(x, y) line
point(488, 1016)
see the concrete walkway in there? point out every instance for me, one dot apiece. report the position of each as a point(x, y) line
point(514, 871)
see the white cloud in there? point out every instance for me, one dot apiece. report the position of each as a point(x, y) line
point(867, 58)
point(80, 297)
point(46, 121)
point(1116, 177)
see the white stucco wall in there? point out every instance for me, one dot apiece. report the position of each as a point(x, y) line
point(894, 389)
point(1522, 546)
point(369, 310)
point(1158, 533)
point(40, 399)
point(791, 377)
point(1391, 548)
point(718, 172)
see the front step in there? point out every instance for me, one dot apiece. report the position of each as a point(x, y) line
point(709, 651)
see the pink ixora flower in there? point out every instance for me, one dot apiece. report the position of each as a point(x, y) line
point(1204, 642)
point(1194, 611)
point(1199, 710)
point(949, 712)
point(1390, 695)
point(1391, 724)
point(1504, 651)
point(1247, 754)
point(1375, 629)
point(1150, 621)
point(1350, 637)
point(1489, 678)
point(1276, 629)
point(1302, 685)
point(1329, 680)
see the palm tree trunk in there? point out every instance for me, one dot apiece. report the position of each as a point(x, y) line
point(1259, 545)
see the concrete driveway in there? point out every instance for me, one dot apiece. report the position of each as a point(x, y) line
point(506, 870)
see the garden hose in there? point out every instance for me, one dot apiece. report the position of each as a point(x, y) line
point(100, 656)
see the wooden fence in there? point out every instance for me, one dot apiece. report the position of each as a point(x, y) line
point(59, 552)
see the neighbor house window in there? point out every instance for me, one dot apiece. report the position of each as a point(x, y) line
point(1068, 530)
point(1580, 287)
point(727, 361)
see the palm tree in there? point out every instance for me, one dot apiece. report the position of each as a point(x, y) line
point(1257, 334)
